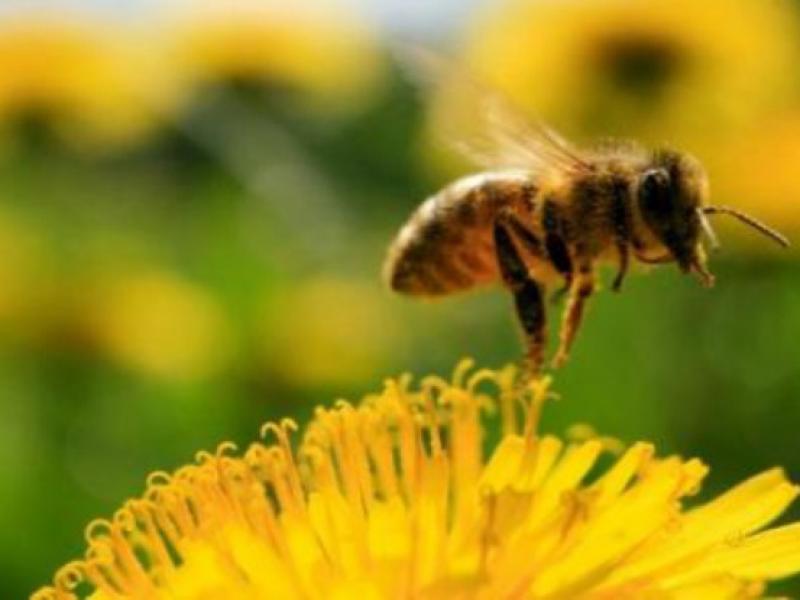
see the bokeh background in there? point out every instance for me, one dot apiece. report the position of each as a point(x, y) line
point(195, 200)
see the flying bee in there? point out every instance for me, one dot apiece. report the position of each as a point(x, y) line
point(545, 213)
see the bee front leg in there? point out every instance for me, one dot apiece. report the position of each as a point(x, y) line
point(624, 261)
point(621, 219)
point(528, 296)
point(582, 288)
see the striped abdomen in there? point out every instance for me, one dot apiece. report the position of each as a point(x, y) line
point(447, 244)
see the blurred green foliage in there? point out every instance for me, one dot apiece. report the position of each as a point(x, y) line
point(164, 296)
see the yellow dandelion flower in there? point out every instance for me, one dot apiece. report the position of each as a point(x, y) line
point(658, 71)
point(320, 48)
point(159, 325)
point(85, 77)
point(757, 171)
point(392, 499)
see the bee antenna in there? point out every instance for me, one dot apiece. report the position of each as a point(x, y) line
point(708, 230)
point(748, 220)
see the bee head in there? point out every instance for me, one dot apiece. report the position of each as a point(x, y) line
point(672, 198)
point(672, 191)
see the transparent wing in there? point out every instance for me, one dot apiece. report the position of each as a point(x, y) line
point(482, 123)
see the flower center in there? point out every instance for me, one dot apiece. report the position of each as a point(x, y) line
point(640, 66)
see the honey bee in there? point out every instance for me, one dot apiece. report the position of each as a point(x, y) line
point(545, 213)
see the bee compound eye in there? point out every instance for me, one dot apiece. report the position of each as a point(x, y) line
point(654, 191)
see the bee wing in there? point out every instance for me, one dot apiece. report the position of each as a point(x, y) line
point(482, 123)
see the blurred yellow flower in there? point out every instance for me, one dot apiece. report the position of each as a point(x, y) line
point(758, 171)
point(86, 78)
point(321, 48)
point(326, 331)
point(158, 325)
point(660, 71)
point(392, 499)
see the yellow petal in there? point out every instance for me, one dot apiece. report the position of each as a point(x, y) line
point(613, 483)
point(567, 474)
point(503, 465)
point(745, 508)
point(770, 555)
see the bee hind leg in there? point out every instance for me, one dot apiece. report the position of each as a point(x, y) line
point(528, 294)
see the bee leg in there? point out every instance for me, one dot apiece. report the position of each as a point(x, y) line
point(622, 231)
point(559, 294)
point(520, 231)
point(624, 261)
point(528, 296)
point(582, 288)
point(556, 248)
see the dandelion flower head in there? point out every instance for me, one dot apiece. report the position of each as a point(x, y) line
point(86, 77)
point(392, 498)
point(322, 48)
point(650, 70)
